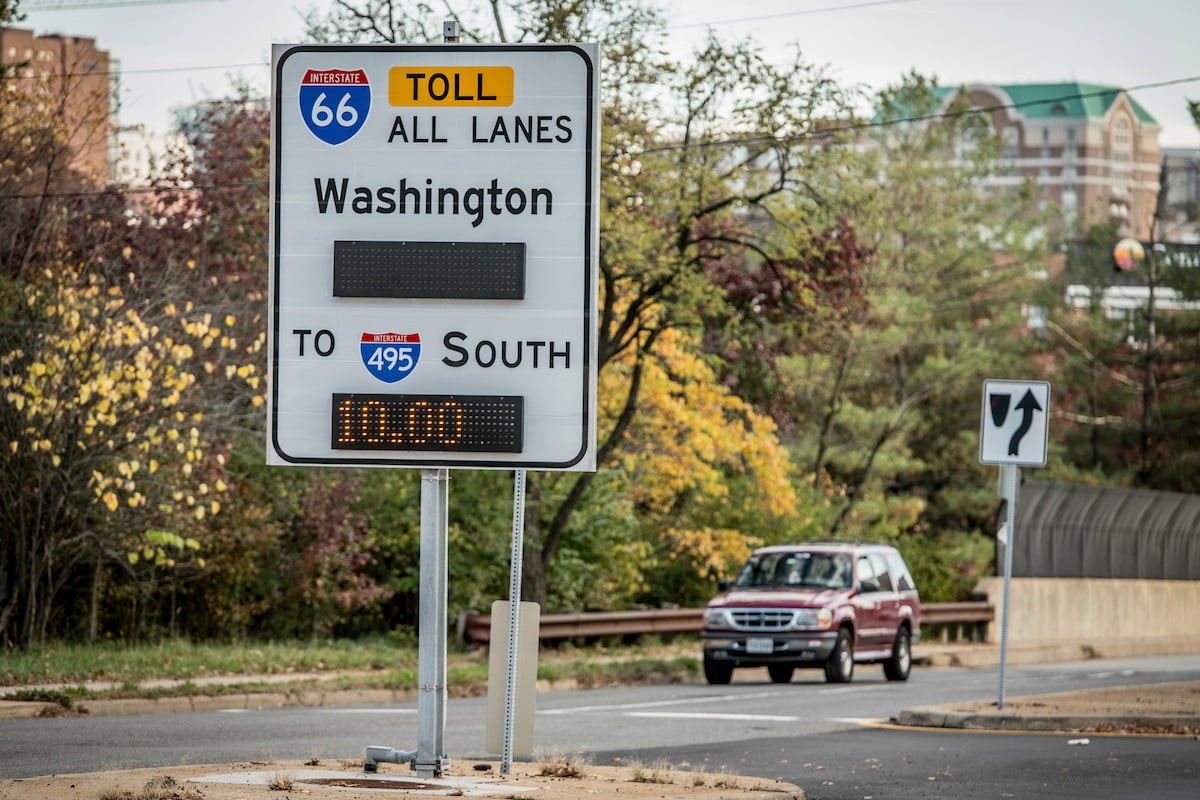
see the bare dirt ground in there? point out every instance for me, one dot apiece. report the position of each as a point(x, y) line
point(288, 780)
point(1164, 699)
point(1167, 708)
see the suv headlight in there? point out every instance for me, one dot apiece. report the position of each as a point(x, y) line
point(716, 618)
point(814, 618)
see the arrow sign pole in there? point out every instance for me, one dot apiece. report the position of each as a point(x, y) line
point(1009, 476)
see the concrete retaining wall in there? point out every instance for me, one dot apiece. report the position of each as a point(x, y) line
point(1046, 611)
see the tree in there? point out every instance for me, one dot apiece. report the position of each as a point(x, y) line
point(884, 389)
point(122, 372)
point(1129, 407)
point(697, 160)
point(103, 438)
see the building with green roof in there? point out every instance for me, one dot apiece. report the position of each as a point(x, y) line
point(1093, 150)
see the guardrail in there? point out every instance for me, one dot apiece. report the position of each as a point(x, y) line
point(962, 618)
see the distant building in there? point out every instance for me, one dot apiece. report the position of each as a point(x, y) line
point(143, 157)
point(79, 78)
point(1180, 202)
point(1092, 150)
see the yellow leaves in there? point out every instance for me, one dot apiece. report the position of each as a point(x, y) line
point(692, 435)
point(101, 379)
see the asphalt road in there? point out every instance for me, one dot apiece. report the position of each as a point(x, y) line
point(821, 737)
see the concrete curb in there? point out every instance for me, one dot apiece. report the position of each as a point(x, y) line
point(938, 717)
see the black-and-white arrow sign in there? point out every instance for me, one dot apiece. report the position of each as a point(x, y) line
point(1013, 425)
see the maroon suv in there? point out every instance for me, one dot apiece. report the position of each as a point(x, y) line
point(814, 605)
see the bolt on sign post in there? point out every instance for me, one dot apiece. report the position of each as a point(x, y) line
point(433, 256)
point(1013, 432)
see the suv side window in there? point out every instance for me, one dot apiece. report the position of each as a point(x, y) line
point(881, 573)
point(864, 570)
point(904, 581)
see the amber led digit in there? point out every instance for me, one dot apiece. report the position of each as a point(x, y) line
point(428, 422)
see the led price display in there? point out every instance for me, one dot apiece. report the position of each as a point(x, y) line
point(429, 422)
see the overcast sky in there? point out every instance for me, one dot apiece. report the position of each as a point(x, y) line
point(175, 52)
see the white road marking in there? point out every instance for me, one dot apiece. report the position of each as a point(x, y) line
point(661, 703)
point(700, 715)
point(370, 710)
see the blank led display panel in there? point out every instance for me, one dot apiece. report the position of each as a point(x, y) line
point(429, 270)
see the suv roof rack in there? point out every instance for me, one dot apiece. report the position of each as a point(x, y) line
point(837, 541)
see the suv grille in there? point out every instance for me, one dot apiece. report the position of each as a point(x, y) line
point(769, 619)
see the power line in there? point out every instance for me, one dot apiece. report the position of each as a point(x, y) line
point(780, 15)
point(931, 117)
point(65, 5)
point(732, 142)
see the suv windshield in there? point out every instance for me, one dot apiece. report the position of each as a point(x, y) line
point(817, 570)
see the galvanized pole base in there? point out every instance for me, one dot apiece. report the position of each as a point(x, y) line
point(431, 759)
point(1009, 477)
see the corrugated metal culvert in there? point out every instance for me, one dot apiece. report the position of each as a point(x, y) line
point(1069, 531)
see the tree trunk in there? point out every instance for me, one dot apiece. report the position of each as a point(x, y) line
point(535, 569)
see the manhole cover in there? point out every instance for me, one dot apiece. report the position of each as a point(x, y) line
point(373, 783)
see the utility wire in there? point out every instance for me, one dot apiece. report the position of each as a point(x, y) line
point(731, 142)
point(65, 5)
point(931, 117)
point(780, 15)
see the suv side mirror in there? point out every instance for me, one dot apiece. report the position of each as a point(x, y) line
point(724, 585)
point(868, 586)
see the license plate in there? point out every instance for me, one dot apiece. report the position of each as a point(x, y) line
point(760, 646)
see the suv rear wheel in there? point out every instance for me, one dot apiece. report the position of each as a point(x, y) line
point(840, 666)
point(717, 672)
point(899, 665)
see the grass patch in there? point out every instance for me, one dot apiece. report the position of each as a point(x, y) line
point(180, 658)
point(180, 668)
point(282, 782)
point(572, 765)
point(658, 772)
point(162, 787)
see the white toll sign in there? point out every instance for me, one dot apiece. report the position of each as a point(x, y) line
point(433, 256)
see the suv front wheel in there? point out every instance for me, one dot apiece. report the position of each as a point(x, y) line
point(840, 666)
point(717, 672)
point(899, 665)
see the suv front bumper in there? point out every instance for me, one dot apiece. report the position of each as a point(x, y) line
point(742, 650)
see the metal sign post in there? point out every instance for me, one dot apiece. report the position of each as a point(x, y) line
point(1013, 432)
point(514, 615)
point(433, 279)
point(431, 653)
point(1009, 476)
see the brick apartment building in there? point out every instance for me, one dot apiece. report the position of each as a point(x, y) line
point(76, 77)
point(1092, 150)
